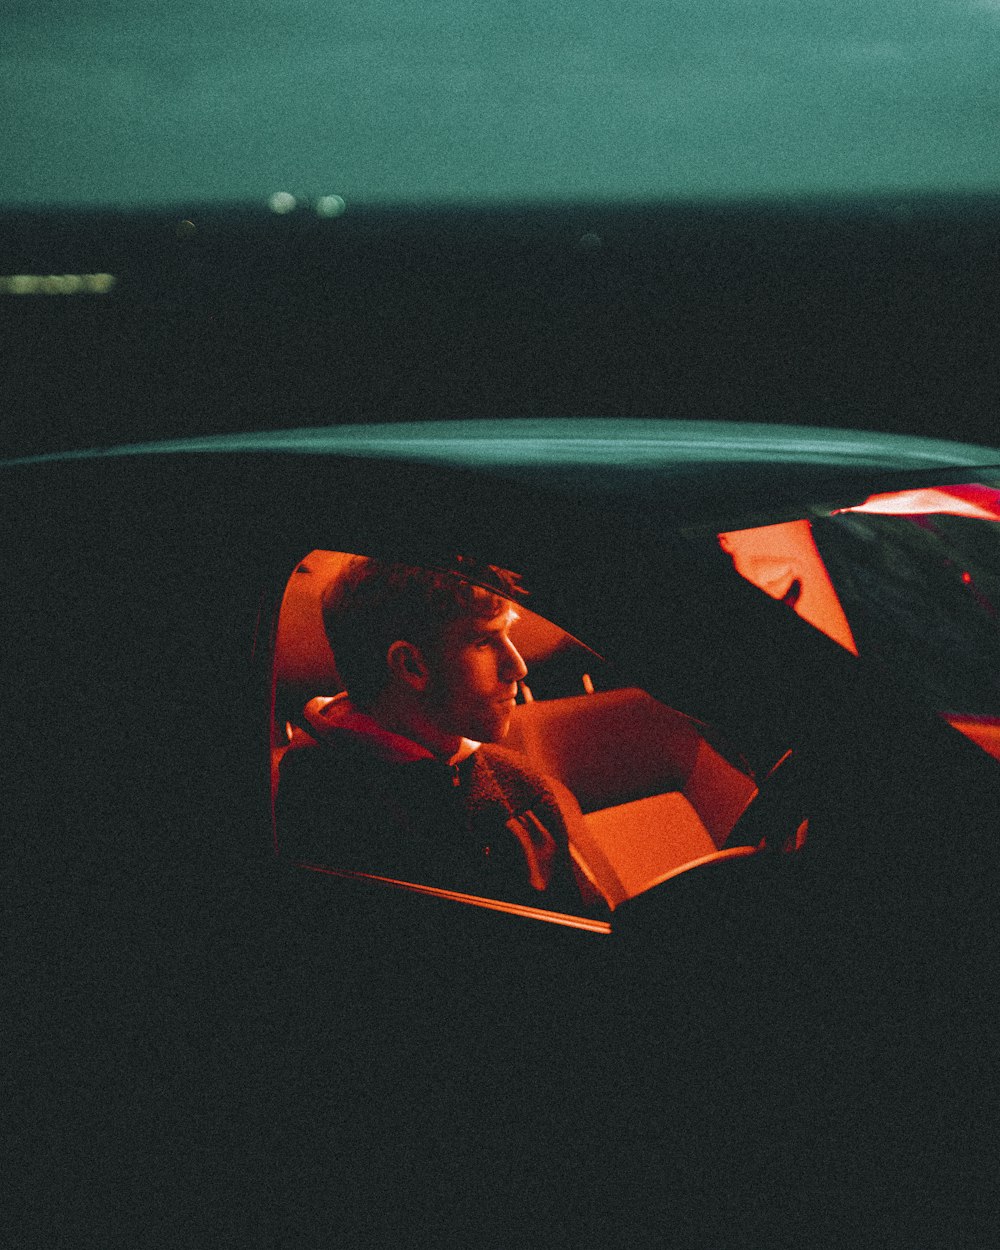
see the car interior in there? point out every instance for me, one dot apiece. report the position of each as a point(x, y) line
point(653, 794)
point(647, 791)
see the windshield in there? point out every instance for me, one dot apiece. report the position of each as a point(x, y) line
point(909, 580)
point(922, 595)
point(129, 105)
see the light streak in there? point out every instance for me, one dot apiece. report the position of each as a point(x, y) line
point(472, 900)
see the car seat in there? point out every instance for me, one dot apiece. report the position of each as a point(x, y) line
point(654, 795)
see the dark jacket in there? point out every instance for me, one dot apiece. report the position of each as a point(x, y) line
point(363, 799)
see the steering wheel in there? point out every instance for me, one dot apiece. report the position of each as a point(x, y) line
point(776, 817)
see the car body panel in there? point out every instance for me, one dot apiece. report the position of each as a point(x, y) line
point(173, 975)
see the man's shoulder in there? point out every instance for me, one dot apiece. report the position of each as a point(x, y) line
point(307, 755)
point(305, 762)
point(328, 798)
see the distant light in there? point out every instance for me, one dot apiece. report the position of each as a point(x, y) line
point(62, 284)
point(56, 283)
point(967, 578)
point(185, 229)
point(330, 206)
point(281, 202)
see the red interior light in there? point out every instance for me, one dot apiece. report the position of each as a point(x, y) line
point(974, 500)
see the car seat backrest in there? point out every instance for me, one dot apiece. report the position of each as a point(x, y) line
point(717, 791)
point(613, 747)
point(654, 794)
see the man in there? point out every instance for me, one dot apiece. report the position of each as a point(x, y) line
point(405, 780)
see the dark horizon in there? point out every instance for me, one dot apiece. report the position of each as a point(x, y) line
point(878, 314)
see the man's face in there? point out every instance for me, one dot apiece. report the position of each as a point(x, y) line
point(474, 673)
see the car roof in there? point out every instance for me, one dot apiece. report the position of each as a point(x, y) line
point(726, 475)
point(578, 443)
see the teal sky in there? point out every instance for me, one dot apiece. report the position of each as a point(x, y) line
point(125, 102)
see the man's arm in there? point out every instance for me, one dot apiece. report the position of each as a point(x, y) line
point(581, 881)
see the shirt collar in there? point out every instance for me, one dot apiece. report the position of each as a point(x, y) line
point(343, 717)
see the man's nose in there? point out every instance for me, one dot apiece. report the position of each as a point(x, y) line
point(515, 667)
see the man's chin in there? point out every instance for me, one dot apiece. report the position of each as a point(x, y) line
point(492, 732)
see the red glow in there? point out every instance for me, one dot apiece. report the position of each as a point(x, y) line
point(967, 578)
point(984, 731)
point(783, 561)
point(974, 500)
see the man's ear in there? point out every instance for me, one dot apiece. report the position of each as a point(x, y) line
point(406, 664)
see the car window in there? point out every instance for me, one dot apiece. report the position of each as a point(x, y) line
point(583, 792)
point(908, 580)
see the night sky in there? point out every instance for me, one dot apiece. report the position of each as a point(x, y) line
point(107, 102)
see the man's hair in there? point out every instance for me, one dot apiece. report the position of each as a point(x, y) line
point(377, 604)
